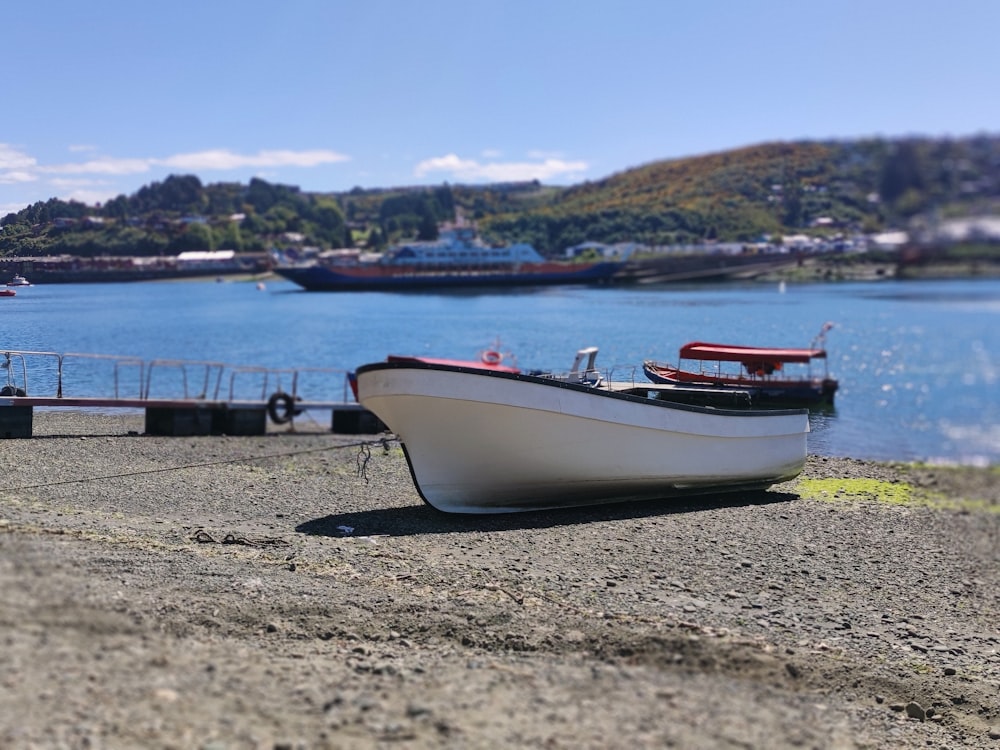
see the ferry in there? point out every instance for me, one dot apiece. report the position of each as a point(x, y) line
point(458, 258)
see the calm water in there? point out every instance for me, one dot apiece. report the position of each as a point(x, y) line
point(918, 362)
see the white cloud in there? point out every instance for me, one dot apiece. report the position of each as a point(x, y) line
point(216, 159)
point(537, 154)
point(102, 165)
point(492, 153)
point(98, 178)
point(223, 159)
point(91, 197)
point(15, 177)
point(12, 158)
point(450, 163)
point(474, 171)
point(10, 208)
point(65, 183)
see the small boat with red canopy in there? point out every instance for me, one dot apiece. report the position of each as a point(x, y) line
point(769, 376)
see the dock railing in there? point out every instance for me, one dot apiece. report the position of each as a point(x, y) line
point(109, 378)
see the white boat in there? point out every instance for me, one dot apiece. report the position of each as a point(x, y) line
point(18, 280)
point(485, 441)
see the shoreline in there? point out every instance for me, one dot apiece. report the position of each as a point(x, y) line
point(291, 590)
point(829, 268)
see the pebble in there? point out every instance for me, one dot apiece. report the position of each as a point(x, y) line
point(915, 711)
point(166, 695)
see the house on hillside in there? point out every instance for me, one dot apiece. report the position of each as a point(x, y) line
point(617, 251)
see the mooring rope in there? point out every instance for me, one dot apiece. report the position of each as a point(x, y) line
point(364, 454)
point(203, 537)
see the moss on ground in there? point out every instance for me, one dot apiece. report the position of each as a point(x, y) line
point(886, 492)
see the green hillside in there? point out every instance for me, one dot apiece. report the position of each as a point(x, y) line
point(774, 189)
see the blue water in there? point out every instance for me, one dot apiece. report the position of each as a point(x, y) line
point(918, 361)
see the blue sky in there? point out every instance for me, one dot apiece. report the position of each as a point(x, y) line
point(102, 98)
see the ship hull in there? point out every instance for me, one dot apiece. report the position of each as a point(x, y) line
point(317, 278)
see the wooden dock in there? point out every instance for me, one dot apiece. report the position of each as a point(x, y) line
point(184, 398)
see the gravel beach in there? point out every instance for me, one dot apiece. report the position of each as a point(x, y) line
point(292, 591)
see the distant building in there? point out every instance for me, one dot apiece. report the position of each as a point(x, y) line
point(982, 228)
point(890, 240)
point(207, 259)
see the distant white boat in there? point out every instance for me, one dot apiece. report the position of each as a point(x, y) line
point(18, 280)
point(486, 441)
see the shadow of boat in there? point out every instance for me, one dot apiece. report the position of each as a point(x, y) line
point(417, 520)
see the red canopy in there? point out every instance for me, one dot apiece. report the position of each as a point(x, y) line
point(753, 354)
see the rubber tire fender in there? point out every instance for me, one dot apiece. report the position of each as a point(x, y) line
point(281, 407)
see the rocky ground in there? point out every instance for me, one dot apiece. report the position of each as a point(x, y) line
point(292, 591)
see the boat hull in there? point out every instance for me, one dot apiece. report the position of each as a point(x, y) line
point(375, 277)
point(492, 442)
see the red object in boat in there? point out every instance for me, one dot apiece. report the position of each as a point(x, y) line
point(748, 354)
point(491, 359)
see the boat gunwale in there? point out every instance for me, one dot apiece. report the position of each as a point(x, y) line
point(582, 388)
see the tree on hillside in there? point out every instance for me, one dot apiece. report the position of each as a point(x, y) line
point(180, 194)
point(224, 198)
point(263, 195)
point(792, 205)
point(47, 211)
point(902, 172)
point(194, 237)
point(116, 208)
point(327, 222)
point(428, 229)
point(230, 237)
point(376, 239)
